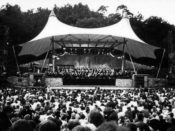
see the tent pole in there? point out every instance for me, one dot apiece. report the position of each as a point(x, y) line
point(16, 59)
point(131, 60)
point(45, 60)
point(53, 53)
point(123, 57)
point(160, 63)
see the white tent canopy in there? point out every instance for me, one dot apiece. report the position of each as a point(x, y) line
point(69, 36)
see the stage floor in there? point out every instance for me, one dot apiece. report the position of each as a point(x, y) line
point(91, 87)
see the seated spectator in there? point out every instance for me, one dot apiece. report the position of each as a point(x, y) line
point(96, 118)
point(48, 125)
point(90, 108)
point(22, 125)
point(132, 126)
point(108, 126)
point(5, 122)
point(81, 128)
point(72, 124)
point(140, 124)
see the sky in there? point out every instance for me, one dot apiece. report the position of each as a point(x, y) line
point(161, 8)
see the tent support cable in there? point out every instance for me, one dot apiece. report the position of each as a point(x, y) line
point(160, 63)
point(53, 53)
point(16, 59)
point(131, 60)
point(45, 60)
point(123, 57)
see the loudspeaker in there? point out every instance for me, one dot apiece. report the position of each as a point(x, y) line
point(140, 80)
point(36, 79)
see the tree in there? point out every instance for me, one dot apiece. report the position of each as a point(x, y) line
point(113, 18)
point(102, 9)
point(24, 26)
point(70, 14)
point(124, 9)
point(88, 22)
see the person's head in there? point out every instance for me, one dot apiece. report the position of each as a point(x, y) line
point(57, 114)
point(154, 124)
point(132, 127)
point(48, 125)
point(128, 108)
point(64, 117)
point(36, 118)
point(8, 110)
point(113, 117)
point(96, 118)
point(107, 112)
point(82, 116)
point(27, 117)
point(81, 128)
point(56, 121)
point(171, 115)
point(108, 126)
point(122, 128)
point(171, 128)
point(22, 125)
point(87, 109)
point(161, 117)
point(72, 124)
point(140, 117)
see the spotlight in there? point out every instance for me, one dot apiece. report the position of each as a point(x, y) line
point(54, 56)
point(98, 52)
point(75, 50)
point(89, 50)
point(71, 51)
point(119, 57)
point(3, 73)
point(85, 51)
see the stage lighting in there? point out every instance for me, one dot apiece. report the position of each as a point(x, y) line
point(85, 51)
point(89, 51)
point(3, 73)
point(75, 50)
point(64, 48)
point(71, 51)
point(120, 57)
point(98, 52)
point(54, 56)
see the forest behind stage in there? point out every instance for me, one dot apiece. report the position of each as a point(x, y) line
point(18, 27)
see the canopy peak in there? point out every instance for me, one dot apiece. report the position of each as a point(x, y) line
point(52, 13)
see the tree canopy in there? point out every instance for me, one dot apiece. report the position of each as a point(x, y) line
point(23, 26)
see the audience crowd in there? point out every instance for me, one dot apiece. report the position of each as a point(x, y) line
point(87, 110)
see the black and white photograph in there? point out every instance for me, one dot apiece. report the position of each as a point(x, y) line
point(87, 65)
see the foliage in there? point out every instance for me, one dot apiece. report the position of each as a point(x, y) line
point(23, 26)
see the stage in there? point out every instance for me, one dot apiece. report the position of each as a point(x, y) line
point(90, 87)
point(138, 81)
